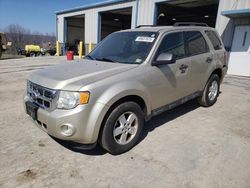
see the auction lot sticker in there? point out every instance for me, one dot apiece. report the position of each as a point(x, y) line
point(144, 39)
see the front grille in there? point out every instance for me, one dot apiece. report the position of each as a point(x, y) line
point(43, 97)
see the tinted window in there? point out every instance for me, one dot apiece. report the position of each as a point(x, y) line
point(196, 43)
point(214, 39)
point(174, 44)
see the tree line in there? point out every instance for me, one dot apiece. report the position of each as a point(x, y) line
point(21, 36)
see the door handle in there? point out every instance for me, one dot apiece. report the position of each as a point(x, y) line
point(209, 60)
point(183, 68)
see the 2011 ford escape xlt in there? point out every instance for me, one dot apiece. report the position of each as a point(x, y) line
point(129, 77)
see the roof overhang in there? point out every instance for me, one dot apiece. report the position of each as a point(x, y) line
point(240, 13)
point(90, 6)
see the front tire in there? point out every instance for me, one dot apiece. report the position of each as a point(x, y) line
point(211, 91)
point(122, 128)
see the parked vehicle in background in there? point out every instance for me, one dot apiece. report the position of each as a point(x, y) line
point(21, 51)
point(129, 77)
point(43, 51)
point(51, 51)
point(4, 44)
point(32, 50)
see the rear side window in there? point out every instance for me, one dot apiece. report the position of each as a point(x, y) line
point(213, 37)
point(173, 43)
point(195, 42)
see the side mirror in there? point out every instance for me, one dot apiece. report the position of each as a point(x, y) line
point(164, 58)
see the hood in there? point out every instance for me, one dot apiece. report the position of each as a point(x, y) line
point(73, 76)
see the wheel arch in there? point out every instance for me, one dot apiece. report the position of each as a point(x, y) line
point(129, 98)
point(217, 71)
point(114, 96)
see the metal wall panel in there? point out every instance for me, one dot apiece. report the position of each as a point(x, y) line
point(60, 29)
point(222, 21)
point(224, 25)
point(146, 16)
point(147, 11)
point(92, 20)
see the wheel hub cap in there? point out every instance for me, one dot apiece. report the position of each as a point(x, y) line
point(125, 128)
point(213, 91)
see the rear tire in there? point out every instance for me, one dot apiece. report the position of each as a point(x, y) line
point(122, 128)
point(211, 91)
point(32, 54)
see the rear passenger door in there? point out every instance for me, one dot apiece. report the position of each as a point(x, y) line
point(200, 59)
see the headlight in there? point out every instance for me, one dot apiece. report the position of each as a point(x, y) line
point(69, 99)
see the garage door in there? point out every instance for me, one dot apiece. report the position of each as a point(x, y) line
point(239, 59)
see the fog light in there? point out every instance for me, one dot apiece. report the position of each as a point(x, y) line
point(67, 130)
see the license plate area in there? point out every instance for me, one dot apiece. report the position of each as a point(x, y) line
point(31, 110)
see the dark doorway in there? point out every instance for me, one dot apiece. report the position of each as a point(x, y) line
point(75, 32)
point(202, 11)
point(115, 20)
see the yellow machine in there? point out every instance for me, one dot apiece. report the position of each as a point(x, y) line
point(32, 50)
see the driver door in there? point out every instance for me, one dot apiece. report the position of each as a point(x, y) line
point(171, 81)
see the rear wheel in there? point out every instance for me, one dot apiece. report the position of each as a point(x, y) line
point(211, 91)
point(32, 54)
point(122, 128)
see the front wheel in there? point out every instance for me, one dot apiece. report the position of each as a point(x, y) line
point(211, 91)
point(122, 128)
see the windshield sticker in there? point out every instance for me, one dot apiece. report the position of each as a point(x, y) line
point(138, 60)
point(144, 39)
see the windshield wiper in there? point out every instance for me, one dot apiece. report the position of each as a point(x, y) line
point(105, 59)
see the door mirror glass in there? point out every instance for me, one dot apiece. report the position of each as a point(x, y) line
point(164, 58)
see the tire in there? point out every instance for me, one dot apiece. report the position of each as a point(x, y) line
point(118, 135)
point(211, 91)
point(32, 54)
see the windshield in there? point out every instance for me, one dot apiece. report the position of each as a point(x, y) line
point(124, 47)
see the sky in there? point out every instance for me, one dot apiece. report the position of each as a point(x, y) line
point(36, 15)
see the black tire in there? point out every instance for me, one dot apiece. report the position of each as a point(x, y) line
point(32, 54)
point(205, 100)
point(114, 144)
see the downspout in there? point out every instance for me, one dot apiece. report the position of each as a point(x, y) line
point(65, 35)
point(56, 28)
point(137, 12)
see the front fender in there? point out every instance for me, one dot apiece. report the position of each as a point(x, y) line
point(121, 90)
point(109, 97)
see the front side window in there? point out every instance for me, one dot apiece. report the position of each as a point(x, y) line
point(172, 43)
point(195, 42)
point(213, 37)
point(125, 47)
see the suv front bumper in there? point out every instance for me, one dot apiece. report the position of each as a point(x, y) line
point(85, 124)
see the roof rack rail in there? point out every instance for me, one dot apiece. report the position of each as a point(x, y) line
point(190, 24)
point(139, 26)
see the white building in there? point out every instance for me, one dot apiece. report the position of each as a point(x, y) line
point(93, 22)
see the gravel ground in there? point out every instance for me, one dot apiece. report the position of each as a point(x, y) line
point(189, 146)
